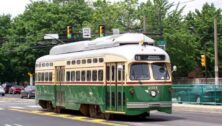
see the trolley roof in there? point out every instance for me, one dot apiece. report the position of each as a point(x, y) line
point(103, 42)
point(127, 52)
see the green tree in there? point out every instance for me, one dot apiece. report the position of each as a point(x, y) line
point(28, 29)
point(202, 28)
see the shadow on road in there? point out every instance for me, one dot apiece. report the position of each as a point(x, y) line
point(154, 117)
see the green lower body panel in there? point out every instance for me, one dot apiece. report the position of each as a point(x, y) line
point(129, 100)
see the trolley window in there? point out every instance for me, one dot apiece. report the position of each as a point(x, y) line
point(78, 61)
point(83, 75)
point(88, 74)
point(95, 60)
point(101, 60)
point(121, 74)
point(46, 76)
point(77, 75)
point(83, 61)
point(73, 76)
point(68, 76)
point(160, 71)
point(107, 73)
point(139, 71)
point(89, 60)
point(43, 64)
point(73, 62)
point(100, 75)
point(47, 64)
point(50, 76)
point(113, 73)
point(39, 76)
point(43, 77)
point(94, 75)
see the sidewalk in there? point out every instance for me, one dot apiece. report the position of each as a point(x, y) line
point(197, 107)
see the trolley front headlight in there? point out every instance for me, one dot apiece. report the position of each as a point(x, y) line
point(132, 91)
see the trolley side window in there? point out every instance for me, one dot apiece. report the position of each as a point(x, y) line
point(160, 71)
point(50, 76)
point(139, 71)
point(68, 74)
point(94, 75)
point(121, 74)
point(46, 76)
point(88, 75)
point(100, 75)
point(107, 73)
point(77, 75)
point(73, 76)
point(83, 75)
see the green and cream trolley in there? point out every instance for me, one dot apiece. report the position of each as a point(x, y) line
point(118, 74)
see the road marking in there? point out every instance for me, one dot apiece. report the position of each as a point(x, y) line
point(33, 106)
point(71, 117)
point(47, 113)
point(63, 115)
point(17, 125)
point(16, 107)
point(13, 125)
point(79, 118)
point(97, 120)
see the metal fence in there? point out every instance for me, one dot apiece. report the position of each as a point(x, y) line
point(185, 80)
point(197, 93)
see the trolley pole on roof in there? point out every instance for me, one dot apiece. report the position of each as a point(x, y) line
point(216, 51)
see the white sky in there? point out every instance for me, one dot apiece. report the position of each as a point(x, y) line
point(16, 7)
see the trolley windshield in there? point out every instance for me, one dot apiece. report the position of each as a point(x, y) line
point(160, 71)
point(139, 71)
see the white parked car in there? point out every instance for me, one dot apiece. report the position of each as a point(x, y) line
point(2, 91)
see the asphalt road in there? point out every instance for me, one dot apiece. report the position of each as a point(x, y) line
point(23, 112)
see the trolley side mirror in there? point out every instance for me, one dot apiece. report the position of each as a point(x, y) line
point(174, 68)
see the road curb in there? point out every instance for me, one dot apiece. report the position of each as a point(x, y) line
point(199, 108)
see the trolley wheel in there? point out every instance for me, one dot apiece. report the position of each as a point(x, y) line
point(92, 111)
point(144, 115)
point(49, 107)
point(84, 109)
point(107, 116)
point(43, 104)
point(58, 109)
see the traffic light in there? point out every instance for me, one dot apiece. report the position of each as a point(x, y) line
point(203, 60)
point(69, 32)
point(101, 30)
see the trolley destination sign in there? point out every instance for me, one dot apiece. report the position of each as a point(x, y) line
point(150, 57)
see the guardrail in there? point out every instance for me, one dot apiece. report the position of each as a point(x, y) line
point(197, 93)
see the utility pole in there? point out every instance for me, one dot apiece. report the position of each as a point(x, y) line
point(216, 51)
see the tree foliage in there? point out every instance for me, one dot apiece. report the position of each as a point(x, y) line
point(21, 38)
